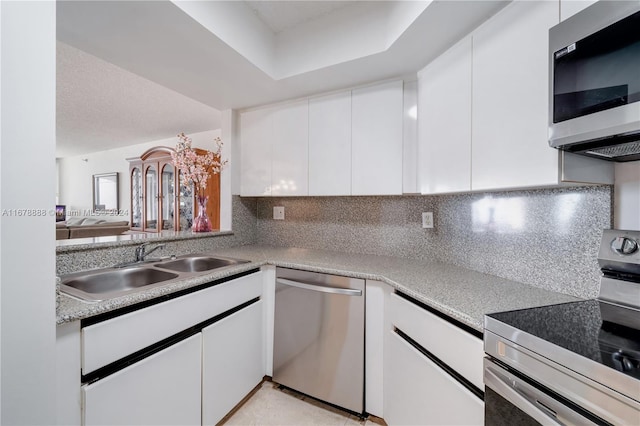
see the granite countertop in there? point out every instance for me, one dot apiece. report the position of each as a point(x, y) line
point(123, 240)
point(458, 292)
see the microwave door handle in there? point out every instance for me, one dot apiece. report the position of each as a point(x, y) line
point(528, 399)
point(323, 289)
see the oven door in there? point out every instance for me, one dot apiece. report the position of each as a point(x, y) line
point(511, 399)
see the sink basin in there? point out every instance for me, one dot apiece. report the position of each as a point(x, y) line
point(198, 263)
point(113, 283)
point(94, 286)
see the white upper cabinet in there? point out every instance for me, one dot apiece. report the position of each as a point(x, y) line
point(568, 8)
point(349, 143)
point(330, 145)
point(483, 110)
point(290, 149)
point(274, 150)
point(482, 124)
point(510, 99)
point(410, 184)
point(444, 117)
point(376, 144)
point(256, 132)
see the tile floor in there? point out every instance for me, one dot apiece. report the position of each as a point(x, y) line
point(271, 406)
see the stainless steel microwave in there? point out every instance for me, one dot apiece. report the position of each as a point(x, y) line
point(594, 82)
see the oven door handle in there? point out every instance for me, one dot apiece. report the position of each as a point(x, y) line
point(320, 288)
point(541, 407)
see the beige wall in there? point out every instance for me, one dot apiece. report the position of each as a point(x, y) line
point(75, 174)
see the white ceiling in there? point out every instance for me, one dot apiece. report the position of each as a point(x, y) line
point(101, 106)
point(282, 15)
point(239, 54)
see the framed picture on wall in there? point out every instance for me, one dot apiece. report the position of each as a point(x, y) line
point(61, 213)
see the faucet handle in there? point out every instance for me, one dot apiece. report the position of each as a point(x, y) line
point(140, 251)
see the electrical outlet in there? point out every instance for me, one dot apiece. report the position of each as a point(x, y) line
point(427, 219)
point(278, 213)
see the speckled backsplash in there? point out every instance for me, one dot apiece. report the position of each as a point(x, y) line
point(244, 232)
point(548, 238)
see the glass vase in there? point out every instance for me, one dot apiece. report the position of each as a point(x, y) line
point(201, 222)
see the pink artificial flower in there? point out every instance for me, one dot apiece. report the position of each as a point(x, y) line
point(196, 168)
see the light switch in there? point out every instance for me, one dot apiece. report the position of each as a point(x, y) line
point(278, 213)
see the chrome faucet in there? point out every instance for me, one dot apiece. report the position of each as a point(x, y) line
point(142, 253)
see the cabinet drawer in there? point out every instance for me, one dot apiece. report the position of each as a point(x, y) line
point(419, 392)
point(457, 348)
point(110, 340)
point(163, 389)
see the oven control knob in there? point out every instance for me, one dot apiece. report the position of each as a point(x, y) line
point(624, 245)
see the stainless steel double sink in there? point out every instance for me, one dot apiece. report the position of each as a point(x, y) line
point(102, 284)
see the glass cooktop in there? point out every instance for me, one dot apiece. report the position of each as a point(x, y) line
point(600, 331)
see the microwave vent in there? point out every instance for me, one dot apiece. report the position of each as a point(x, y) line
point(616, 151)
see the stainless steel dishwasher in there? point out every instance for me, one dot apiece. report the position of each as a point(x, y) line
point(319, 336)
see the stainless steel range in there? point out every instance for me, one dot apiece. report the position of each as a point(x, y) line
point(574, 363)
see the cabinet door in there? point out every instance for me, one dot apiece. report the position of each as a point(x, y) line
point(330, 145)
point(232, 361)
point(410, 184)
point(290, 149)
point(376, 144)
point(151, 198)
point(461, 350)
point(256, 134)
point(444, 121)
point(568, 8)
point(418, 392)
point(111, 340)
point(510, 98)
point(163, 389)
point(376, 325)
point(167, 196)
point(137, 197)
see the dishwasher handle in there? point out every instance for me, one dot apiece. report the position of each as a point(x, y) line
point(320, 288)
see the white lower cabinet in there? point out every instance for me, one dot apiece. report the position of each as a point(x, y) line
point(232, 361)
point(201, 378)
point(432, 367)
point(163, 389)
point(111, 340)
point(419, 392)
point(377, 293)
point(193, 359)
point(197, 380)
